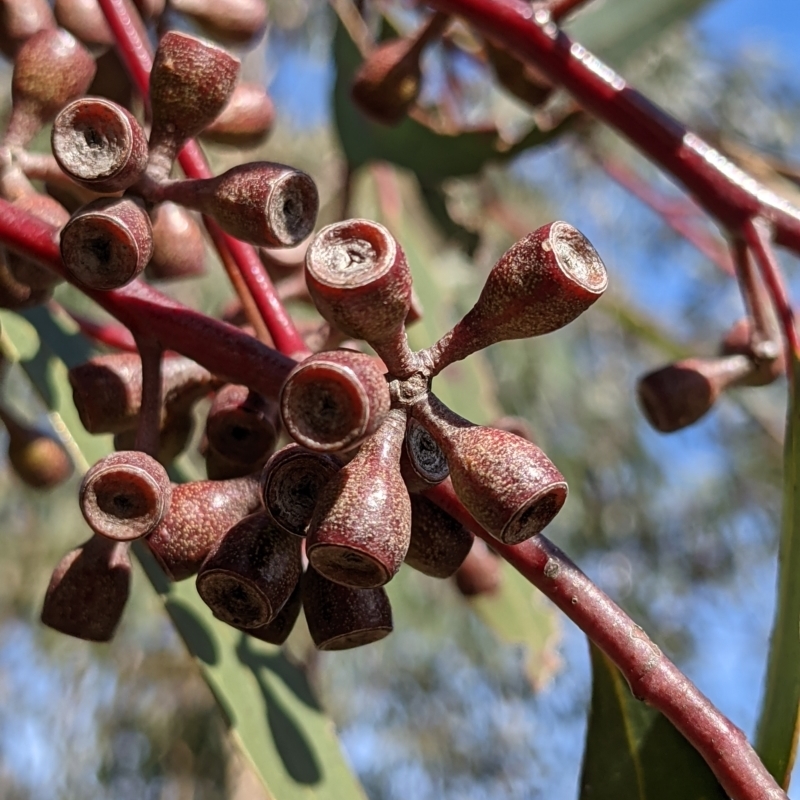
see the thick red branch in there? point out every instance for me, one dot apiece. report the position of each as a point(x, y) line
point(220, 348)
point(726, 193)
point(653, 678)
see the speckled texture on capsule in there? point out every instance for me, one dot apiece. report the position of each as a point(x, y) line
point(51, 69)
point(507, 483)
point(359, 279)
point(277, 630)
point(251, 572)
point(334, 400)
point(242, 425)
point(361, 527)
point(439, 544)
point(540, 284)
point(340, 617)
point(201, 511)
point(190, 83)
point(88, 590)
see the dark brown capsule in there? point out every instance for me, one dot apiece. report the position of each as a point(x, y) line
point(480, 572)
point(439, 544)
point(179, 249)
point(277, 631)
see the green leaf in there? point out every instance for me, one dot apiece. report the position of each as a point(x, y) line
point(779, 724)
point(616, 29)
point(272, 711)
point(635, 753)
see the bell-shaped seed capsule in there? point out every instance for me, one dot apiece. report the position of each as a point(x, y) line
point(439, 544)
point(540, 284)
point(480, 572)
point(107, 389)
point(389, 81)
point(359, 279)
point(85, 20)
point(173, 438)
point(361, 527)
point(229, 21)
point(679, 394)
point(88, 590)
point(246, 120)
point(291, 484)
point(507, 483)
point(51, 69)
point(99, 145)
point(221, 468)
point(107, 243)
point(277, 631)
point(179, 249)
point(125, 496)
point(251, 572)
point(333, 400)
point(266, 204)
point(15, 294)
point(190, 83)
point(339, 617)
point(200, 512)
point(38, 460)
point(21, 19)
point(423, 464)
point(242, 425)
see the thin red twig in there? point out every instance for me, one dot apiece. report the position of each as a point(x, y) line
point(653, 678)
point(149, 427)
point(135, 53)
point(115, 336)
point(758, 236)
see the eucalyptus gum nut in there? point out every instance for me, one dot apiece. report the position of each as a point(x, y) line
point(179, 248)
point(15, 294)
point(291, 483)
point(422, 462)
point(85, 20)
point(229, 21)
point(540, 284)
point(277, 630)
point(738, 341)
point(388, 81)
point(251, 572)
point(38, 460)
point(480, 572)
point(439, 544)
point(107, 243)
point(334, 400)
point(190, 83)
point(507, 483)
point(21, 19)
point(107, 389)
point(51, 69)
point(266, 204)
point(200, 512)
point(125, 495)
point(88, 590)
point(339, 617)
point(174, 436)
point(359, 279)
point(99, 144)
point(246, 120)
point(221, 468)
point(361, 527)
point(242, 425)
point(679, 394)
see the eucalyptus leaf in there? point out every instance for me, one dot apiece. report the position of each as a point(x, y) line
point(635, 753)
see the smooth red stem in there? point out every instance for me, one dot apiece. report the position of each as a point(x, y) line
point(653, 678)
point(115, 336)
point(149, 428)
point(221, 348)
point(678, 216)
point(758, 235)
point(726, 192)
point(756, 300)
point(135, 54)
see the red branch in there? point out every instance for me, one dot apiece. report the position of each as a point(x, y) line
point(653, 678)
point(135, 53)
point(727, 194)
point(220, 348)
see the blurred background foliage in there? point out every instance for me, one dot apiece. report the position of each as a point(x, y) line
point(681, 530)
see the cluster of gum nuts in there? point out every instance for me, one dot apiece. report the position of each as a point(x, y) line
point(326, 521)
